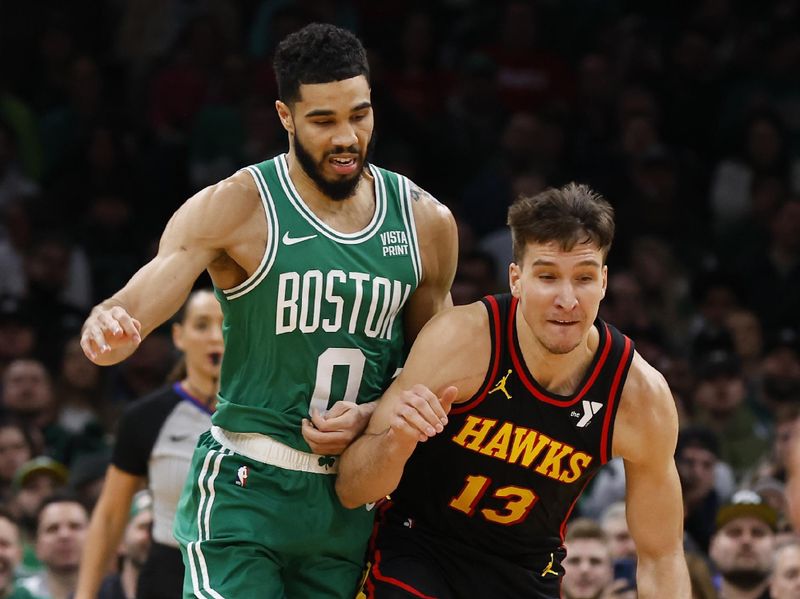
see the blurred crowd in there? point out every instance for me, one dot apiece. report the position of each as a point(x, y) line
point(684, 114)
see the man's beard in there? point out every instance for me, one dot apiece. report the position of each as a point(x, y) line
point(336, 190)
point(746, 579)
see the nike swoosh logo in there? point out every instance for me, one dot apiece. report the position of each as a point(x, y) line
point(293, 240)
point(178, 438)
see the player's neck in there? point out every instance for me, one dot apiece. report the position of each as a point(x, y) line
point(558, 373)
point(348, 215)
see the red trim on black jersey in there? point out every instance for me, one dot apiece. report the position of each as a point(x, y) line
point(495, 358)
point(393, 581)
point(612, 399)
point(520, 369)
point(563, 528)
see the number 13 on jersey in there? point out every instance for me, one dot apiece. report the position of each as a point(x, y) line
point(519, 501)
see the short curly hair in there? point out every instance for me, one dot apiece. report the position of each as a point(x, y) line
point(317, 53)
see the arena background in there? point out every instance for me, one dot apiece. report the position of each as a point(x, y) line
point(684, 114)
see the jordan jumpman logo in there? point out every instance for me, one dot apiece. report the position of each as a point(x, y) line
point(501, 386)
point(548, 569)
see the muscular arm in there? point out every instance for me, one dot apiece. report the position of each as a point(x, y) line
point(109, 518)
point(200, 232)
point(645, 435)
point(452, 350)
point(438, 241)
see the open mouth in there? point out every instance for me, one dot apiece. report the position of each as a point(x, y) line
point(563, 323)
point(215, 358)
point(343, 165)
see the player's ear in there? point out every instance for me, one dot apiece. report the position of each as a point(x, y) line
point(285, 115)
point(605, 280)
point(514, 275)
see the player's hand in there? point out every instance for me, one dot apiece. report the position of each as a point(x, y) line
point(420, 414)
point(109, 332)
point(330, 433)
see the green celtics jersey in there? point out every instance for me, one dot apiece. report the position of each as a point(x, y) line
point(321, 318)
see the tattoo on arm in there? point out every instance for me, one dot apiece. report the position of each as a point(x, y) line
point(417, 193)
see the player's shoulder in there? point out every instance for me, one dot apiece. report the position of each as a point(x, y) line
point(647, 417)
point(237, 189)
point(223, 208)
point(457, 324)
point(644, 380)
point(429, 212)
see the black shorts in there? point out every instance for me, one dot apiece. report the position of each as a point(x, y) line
point(162, 574)
point(406, 562)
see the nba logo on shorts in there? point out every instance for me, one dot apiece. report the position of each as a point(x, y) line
point(241, 476)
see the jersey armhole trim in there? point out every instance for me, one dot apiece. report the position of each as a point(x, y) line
point(613, 402)
point(407, 210)
point(494, 360)
point(273, 234)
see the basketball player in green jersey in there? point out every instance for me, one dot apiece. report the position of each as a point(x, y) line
point(326, 267)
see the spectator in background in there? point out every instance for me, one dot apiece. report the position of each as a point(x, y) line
point(10, 557)
point(17, 332)
point(109, 237)
point(607, 488)
point(490, 192)
point(66, 126)
point(16, 448)
point(615, 525)
point(413, 76)
point(763, 152)
point(80, 392)
point(476, 276)
point(696, 456)
point(714, 295)
point(144, 371)
point(86, 477)
point(780, 371)
point(529, 77)
point(748, 340)
point(34, 482)
point(785, 580)
point(773, 273)
point(60, 534)
point(743, 545)
point(720, 404)
point(133, 550)
point(16, 232)
point(472, 118)
point(772, 466)
point(28, 397)
point(588, 569)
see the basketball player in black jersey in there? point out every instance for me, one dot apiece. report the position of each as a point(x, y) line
point(543, 393)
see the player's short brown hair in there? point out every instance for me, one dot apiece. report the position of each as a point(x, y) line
point(568, 215)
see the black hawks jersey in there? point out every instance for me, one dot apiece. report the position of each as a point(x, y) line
point(504, 475)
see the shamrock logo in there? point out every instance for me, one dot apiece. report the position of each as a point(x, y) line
point(327, 461)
